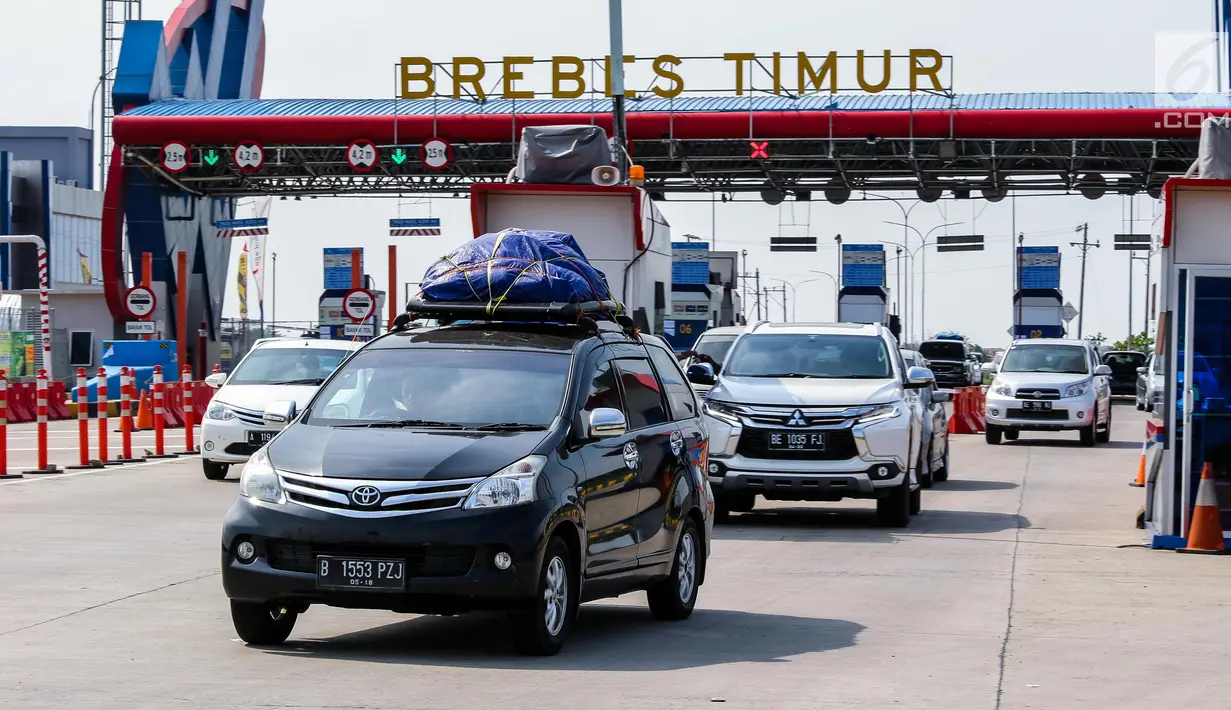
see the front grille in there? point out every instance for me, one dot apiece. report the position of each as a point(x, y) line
point(396, 497)
point(1037, 414)
point(1028, 393)
point(251, 417)
point(839, 446)
point(421, 560)
point(242, 449)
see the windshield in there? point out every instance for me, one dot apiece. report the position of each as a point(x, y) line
point(716, 346)
point(271, 365)
point(1124, 362)
point(454, 386)
point(1068, 359)
point(942, 350)
point(800, 355)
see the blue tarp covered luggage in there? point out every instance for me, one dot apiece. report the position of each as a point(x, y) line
point(516, 266)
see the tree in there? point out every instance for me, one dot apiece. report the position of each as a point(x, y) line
point(1098, 339)
point(1141, 342)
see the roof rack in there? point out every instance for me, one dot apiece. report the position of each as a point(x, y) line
point(584, 314)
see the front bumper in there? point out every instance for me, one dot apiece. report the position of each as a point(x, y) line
point(226, 440)
point(1066, 413)
point(448, 554)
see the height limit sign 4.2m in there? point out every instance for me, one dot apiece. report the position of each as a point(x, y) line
point(361, 155)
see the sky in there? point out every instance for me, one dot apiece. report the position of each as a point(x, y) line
point(320, 48)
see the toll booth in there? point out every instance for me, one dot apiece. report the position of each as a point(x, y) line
point(1192, 425)
point(863, 304)
point(1038, 313)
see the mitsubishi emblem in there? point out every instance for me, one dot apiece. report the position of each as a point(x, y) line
point(797, 419)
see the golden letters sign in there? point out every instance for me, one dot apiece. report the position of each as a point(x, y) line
point(572, 77)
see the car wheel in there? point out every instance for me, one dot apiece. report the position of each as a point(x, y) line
point(540, 629)
point(674, 598)
point(992, 434)
point(893, 511)
point(214, 470)
point(1011, 434)
point(916, 501)
point(1104, 436)
point(1088, 432)
point(925, 476)
point(262, 624)
point(942, 474)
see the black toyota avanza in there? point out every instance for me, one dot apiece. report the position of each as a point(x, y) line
point(526, 467)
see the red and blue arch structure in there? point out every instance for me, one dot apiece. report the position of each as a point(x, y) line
point(198, 78)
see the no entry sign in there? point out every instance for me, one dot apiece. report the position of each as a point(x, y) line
point(140, 302)
point(359, 304)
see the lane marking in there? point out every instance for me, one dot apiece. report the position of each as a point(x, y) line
point(92, 471)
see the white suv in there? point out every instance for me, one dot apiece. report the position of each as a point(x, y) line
point(1047, 384)
point(274, 369)
point(814, 412)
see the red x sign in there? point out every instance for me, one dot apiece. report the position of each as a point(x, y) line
point(759, 149)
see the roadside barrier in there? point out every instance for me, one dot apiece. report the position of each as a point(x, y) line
point(83, 424)
point(126, 417)
point(964, 419)
point(57, 401)
point(187, 386)
point(21, 402)
point(41, 415)
point(1205, 528)
point(4, 407)
point(160, 416)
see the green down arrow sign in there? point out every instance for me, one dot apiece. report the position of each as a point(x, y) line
point(211, 157)
point(399, 156)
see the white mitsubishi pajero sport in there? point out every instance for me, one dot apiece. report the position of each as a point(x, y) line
point(814, 412)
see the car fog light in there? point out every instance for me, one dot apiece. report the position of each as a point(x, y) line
point(995, 412)
point(245, 551)
point(882, 471)
point(714, 468)
point(209, 446)
point(1081, 415)
point(503, 560)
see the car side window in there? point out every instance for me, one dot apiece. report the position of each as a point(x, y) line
point(643, 393)
point(679, 393)
point(897, 354)
point(604, 390)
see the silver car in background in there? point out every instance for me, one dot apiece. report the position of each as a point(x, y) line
point(930, 403)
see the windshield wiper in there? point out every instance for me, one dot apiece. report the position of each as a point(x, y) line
point(785, 374)
point(401, 423)
point(508, 426)
point(303, 381)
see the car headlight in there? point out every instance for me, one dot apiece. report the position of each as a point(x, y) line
point(219, 411)
point(720, 411)
point(259, 480)
point(880, 413)
point(511, 485)
point(1002, 389)
point(1077, 390)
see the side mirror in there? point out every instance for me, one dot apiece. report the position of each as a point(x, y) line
point(919, 377)
point(279, 414)
point(701, 373)
point(1141, 371)
point(216, 379)
point(606, 422)
point(939, 396)
point(1103, 371)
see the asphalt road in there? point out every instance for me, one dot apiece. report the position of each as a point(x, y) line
point(1011, 590)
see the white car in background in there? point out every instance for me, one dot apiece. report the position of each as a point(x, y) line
point(274, 369)
point(713, 343)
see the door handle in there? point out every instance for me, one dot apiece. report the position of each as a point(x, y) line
point(1188, 401)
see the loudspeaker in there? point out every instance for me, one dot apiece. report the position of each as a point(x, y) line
point(605, 175)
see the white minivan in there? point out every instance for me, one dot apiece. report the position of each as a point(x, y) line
point(274, 369)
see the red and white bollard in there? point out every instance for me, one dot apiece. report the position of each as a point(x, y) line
point(83, 423)
point(41, 389)
point(159, 415)
point(126, 417)
point(186, 383)
point(4, 421)
point(103, 419)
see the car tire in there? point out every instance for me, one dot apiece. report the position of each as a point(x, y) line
point(893, 511)
point(992, 434)
point(916, 501)
point(262, 624)
point(540, 628)
point(673, 598)
point(942, 474)
point(1104, 436)
point(1011, 434)
point(214, 470)
point(1088, 432)
point(926, 479)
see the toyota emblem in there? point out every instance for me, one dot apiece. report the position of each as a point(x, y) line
point(365, 496)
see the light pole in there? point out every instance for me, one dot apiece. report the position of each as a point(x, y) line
point(835, 289)
point(923, 270)
point(273, 293)
point(795, 287)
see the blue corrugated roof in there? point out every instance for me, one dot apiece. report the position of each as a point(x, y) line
point(691, 104)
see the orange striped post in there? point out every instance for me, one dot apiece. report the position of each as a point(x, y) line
point(4, 421)
point(41, 389)
point(126, 416)
point(186, 383)
point(159, 415)
point(83, 424)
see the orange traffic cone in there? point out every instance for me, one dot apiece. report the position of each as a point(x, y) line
point(145, 413)
point(1141, 468)
point(1205, 528)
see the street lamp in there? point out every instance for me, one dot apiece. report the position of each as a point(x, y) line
point(923, 270)
point(795, 289)
point(835, 289)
